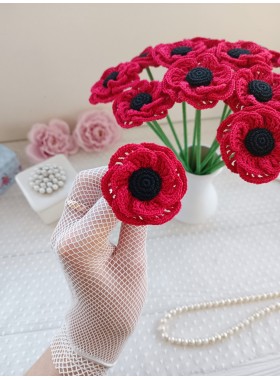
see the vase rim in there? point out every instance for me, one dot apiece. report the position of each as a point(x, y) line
point(216, 172)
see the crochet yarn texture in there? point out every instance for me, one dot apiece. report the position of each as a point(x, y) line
point(250, 143)
point(144, 184)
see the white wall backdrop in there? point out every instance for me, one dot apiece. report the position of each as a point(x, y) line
point(52, 53)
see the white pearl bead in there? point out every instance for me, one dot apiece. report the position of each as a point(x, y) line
point(55, 187)
point(36, 188)
point(42, 190)
point(60, 183)
point(49, 190)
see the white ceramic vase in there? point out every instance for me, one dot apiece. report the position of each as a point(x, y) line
point(201, 200)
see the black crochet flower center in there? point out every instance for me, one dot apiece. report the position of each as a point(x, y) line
point(143, 55)
point(144, 184)
point(259, 142)
point(112, 76)
point(262, 91)
point(235, 53)
point(199, 76)
point(181, 50)
point(140, 100)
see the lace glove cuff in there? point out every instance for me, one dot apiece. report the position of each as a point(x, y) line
point(69, 363)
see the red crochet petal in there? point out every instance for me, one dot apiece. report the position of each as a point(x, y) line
point(122, 153)
point(145, 58)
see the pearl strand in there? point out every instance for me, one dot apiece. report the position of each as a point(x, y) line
point(163, 326)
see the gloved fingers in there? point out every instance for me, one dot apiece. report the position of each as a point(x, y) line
point(93, 229)
point(85, 192)
point(131, 246)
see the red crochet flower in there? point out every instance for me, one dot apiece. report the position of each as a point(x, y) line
point(242, 54)
point(201, 82)
point(113, 81)
point(144, 102)
point(144, 184)
point(255, 86)
point(166, 54)
point(250, 143)
point(145, 59)
point(208, 42)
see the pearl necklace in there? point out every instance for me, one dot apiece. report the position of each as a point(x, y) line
point(163, 325)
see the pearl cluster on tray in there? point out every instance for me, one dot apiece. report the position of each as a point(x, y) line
point(218, 337)
point(47, 179)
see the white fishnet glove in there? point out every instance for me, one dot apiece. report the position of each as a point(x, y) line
point(108, 283)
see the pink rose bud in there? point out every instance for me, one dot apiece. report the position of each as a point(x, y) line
point(49, 140)
point(96, 130)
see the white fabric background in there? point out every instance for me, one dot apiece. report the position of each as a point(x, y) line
point(235, 254)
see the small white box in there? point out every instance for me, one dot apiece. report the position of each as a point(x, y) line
point(48, 206)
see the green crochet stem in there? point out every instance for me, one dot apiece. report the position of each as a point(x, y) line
point(209, 159)
point(150, 75)
point(175, 135)
point(185, 125)
point(198, 140)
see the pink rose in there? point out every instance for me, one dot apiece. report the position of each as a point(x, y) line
point(49, 140)
point(96, 130)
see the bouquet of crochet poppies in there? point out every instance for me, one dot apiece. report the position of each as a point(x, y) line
point(200, 73)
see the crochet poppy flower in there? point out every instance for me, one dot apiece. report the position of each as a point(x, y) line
point(208, 42)
point(145, 59)
point(201, 82)
point(144, 184)
point(255, 86)
point(242, 54)
point(166, 54)
point(250, 143)
point(144, 102)
point(113, 81)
